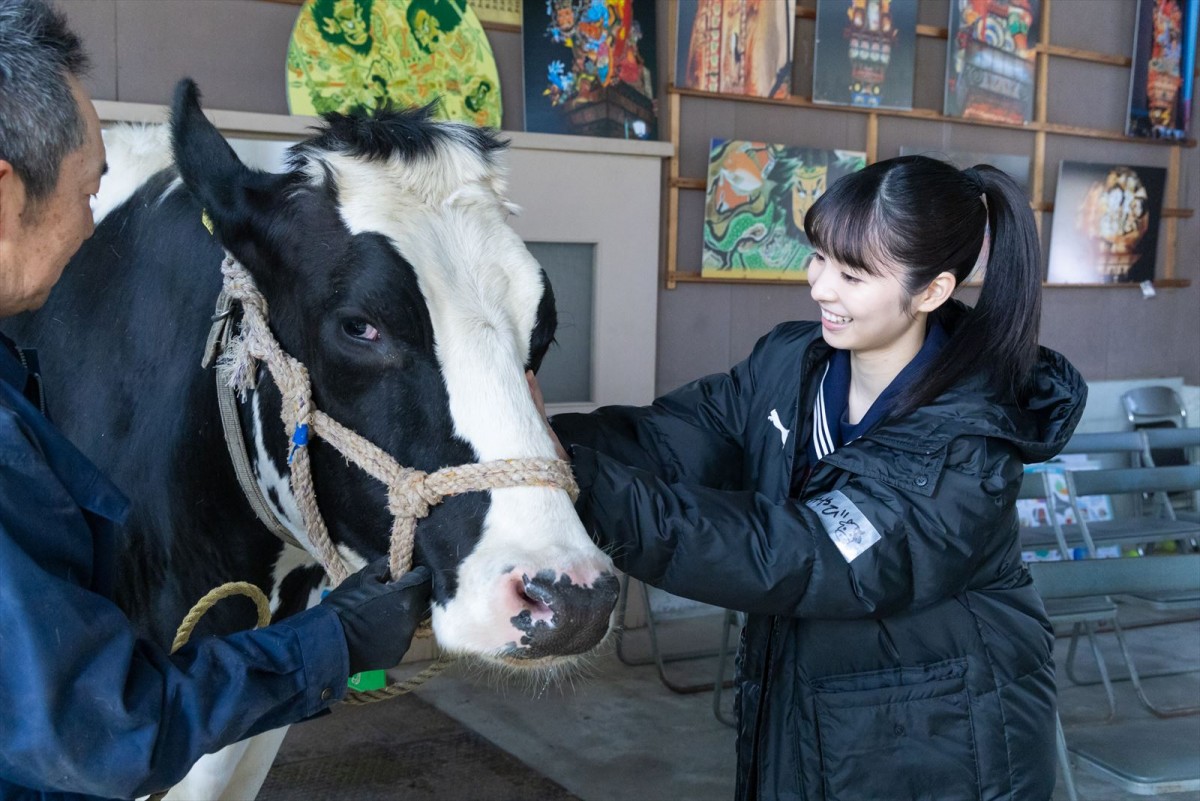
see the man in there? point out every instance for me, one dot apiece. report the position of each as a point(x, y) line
point(91, 710)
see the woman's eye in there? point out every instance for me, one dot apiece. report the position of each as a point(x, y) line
point(850, 279)
point(361, 329)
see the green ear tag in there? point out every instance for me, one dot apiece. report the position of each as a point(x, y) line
point(368, 680)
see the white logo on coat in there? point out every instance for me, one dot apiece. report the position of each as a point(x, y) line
point(773, 417)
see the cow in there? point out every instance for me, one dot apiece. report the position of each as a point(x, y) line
point(389, 270)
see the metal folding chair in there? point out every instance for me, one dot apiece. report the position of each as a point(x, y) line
point(656, 656)
point(1083, 615)
point(1144, 757)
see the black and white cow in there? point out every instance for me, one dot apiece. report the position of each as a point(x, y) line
point(391, 272)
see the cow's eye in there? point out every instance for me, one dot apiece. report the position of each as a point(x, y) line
point(360, 329)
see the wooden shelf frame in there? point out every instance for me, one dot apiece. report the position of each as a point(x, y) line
point(1039, 127)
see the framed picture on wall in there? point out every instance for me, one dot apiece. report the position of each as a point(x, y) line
point(590, 67)
point(758, 194)
point(990, 60)
point(405, 53)
point(1017, 167)
point(1162, 78)
point(741, 47)
point(1105, 228)
point(865, 53)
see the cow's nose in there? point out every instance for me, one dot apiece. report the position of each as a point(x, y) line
point(561, 617)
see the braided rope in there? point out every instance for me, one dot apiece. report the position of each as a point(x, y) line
point(360, 697)
point(211, 598)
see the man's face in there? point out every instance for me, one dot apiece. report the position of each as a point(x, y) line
point(38, 239)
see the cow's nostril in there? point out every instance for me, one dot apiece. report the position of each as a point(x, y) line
point(531, 597)
point(539, 591)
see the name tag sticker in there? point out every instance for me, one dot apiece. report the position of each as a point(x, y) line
point(848, 527)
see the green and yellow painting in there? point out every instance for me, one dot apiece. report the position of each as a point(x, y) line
point(347, 54)
point(758, 194)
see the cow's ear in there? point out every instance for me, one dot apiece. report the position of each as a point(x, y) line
point(236, 198)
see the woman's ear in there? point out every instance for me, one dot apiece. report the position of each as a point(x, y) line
point(938, 292)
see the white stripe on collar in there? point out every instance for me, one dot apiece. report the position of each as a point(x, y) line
point(822, 438)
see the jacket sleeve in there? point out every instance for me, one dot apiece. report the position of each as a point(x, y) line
point(691, 435)
point(867, 549)
point(92, 709)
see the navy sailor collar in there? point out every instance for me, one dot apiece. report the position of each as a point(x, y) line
point(831, 430)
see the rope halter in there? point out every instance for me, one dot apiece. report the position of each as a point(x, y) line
point(411, 493)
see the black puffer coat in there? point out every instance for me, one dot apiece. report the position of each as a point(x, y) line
point(895, 647)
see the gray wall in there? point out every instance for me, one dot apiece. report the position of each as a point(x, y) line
point(235, 49)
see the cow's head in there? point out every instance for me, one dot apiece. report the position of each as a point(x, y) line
point(390, 271)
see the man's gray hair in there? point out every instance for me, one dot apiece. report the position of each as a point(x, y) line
point(40, 121)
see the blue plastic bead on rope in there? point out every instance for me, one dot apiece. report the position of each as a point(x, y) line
point(299, 439)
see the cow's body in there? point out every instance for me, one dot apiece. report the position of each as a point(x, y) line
point(390, 272)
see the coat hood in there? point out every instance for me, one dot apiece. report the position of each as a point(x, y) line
point(1039, 426)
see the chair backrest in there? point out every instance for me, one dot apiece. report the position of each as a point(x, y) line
point(1126, 576)
point(1133, 479)
point(1105, 442)
point(1154, 404)
point(1169, 440)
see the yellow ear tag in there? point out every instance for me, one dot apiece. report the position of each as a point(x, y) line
point(204, 218)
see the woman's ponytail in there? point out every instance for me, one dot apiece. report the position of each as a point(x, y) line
point(1001, 333)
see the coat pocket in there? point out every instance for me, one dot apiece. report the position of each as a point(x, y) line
point(898, 735)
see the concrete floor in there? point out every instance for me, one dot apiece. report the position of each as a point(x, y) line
point(615, 732)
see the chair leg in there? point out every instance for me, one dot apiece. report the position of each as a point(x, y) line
point(1072, 648)
point(1162, 712)
point(1064, 759)
point(729, 621)
point(1102, 668)
point(656, 657)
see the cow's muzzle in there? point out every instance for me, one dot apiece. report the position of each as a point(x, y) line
point(561, 618)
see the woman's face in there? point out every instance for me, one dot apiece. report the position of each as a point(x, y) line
point(863, 313)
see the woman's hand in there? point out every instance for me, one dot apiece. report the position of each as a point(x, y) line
point(535, 392)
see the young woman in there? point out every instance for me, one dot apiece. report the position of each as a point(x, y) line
point(852, 486)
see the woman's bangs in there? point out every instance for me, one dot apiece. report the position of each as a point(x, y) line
point(841, 225)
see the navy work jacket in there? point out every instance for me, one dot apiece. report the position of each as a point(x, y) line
point(90, 710)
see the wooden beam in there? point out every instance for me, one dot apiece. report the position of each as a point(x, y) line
point(696, 278)
point(796, 101)
point(872, 138)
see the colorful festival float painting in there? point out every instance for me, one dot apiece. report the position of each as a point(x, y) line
point(754, 211)
point(1164, 68)
point(1105, 223)
point(369, 53)
point(990, 64)
point(739, 47)
point(590, 67)
point(865, 53)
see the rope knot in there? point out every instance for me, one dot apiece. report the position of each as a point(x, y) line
point(410, 496)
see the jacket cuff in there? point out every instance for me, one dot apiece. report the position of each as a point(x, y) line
point(323, 653)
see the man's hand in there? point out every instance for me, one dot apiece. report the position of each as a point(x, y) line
point(379, 617)
point(536, 392)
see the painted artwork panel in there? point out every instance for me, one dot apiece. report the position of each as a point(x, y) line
point(758, 194)
point(865, 53)
point(1106, 220)
point(345, 54)
point(990, 61)
point(498, 12)
point(1017, 167)
point(590, 67)
point(1164, 69)
point(741, 47)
